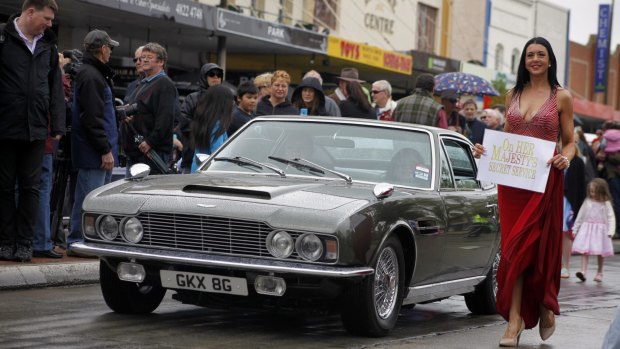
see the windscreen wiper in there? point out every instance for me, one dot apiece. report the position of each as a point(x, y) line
point(247, 161)
point(301, 162)
point(296, 164)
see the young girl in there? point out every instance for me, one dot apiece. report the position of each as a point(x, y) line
point(594, 227)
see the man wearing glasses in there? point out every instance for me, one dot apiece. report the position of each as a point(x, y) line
point(151, 110)
point(382, 100)
point(210, 75)
point(131, 88)
point(94, 136)
point(31, 99)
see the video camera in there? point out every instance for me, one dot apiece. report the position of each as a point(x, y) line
point(122, 111)
point(75, 56)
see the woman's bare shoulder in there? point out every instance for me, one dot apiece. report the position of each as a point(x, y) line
point(564, 94)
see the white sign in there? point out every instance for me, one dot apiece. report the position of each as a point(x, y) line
point(515, 160)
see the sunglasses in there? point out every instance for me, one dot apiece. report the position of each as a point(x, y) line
point(213, 74)
point(136, 59)
point(111, 47)
point(374, 92)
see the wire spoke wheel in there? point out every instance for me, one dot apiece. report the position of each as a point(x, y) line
point(386, 283)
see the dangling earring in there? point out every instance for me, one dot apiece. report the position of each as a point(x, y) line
point(549, 65)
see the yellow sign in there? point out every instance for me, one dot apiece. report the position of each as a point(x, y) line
point(369, 55)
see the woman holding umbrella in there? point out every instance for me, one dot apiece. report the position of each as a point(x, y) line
point(528, 276)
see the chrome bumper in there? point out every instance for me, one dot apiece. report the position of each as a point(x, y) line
point(216, 261)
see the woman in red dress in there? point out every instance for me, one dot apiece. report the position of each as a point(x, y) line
point(528, 276)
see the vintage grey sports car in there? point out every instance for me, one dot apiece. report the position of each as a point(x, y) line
point(305, 214)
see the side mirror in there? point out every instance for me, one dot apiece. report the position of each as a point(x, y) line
point(139, 171)
point(383, 190)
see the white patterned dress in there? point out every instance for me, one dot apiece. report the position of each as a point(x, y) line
point(592, 227)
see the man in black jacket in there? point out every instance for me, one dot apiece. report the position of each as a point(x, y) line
point(94, 136)
point(31, 97)
point(156, 101)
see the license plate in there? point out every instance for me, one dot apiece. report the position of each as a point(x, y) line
point(204, 282)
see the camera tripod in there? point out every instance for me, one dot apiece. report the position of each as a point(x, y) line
point(62, 174)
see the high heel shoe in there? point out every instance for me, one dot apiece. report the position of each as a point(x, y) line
point(512, 341)
point(546, 332)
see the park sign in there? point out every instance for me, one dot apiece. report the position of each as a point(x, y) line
point(602, 48)
point(515, 160)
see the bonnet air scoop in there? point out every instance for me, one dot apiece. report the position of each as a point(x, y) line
point(232, 191)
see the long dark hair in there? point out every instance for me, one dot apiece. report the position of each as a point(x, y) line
point(357, 95)
point(523, 76)
point(214, 105)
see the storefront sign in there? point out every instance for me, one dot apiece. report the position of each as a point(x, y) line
point(515, 160)
point(369, 55)
point(426, 62)
point(602, 49)
point(179, 11)
point(236, 23)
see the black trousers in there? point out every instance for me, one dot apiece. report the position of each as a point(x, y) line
point(21, 163)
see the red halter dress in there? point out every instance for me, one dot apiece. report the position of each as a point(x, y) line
point(531, 225)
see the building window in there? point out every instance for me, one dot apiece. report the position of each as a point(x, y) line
point(258, 8)
point(499, 57)
point(287, 12)
point(427, 23)
point(514, 61)
point(325, 13)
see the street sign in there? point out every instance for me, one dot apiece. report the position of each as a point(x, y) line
point(602, 48)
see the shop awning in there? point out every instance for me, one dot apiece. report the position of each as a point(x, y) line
point(372, 56)
point(593, 110)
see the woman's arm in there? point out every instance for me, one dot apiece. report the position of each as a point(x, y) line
point(567, 129)
point(582, 213)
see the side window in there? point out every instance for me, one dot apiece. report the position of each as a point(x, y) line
point(462, 163)
point(445, 181)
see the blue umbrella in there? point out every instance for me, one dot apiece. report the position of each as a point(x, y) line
point(464, 83)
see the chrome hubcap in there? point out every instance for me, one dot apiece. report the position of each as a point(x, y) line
point(386, 283)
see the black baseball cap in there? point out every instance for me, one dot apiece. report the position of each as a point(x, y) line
point(97, 38)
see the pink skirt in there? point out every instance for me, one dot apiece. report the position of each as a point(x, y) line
point(592, 240)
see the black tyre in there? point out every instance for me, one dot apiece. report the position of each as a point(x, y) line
point(482, 300)
point(129, 297)
point(371, 308)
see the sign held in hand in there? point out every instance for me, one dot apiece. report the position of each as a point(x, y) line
point(515, 160)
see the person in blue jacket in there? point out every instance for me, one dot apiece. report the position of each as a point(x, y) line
point(211, 120)
point(94, 136)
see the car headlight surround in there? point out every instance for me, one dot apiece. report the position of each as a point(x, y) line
point(107, 227)
point(280, 244)
point(132, 230)
point(309, 247)
point(89, 228)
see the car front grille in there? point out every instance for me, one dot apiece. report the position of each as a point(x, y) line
point(204, 233)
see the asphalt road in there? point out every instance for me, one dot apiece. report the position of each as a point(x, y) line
point(77, 317)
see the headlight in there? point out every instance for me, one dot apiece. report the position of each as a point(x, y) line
point(132, 230)
point(108, 228)
point(280, 244)
point(309, 247)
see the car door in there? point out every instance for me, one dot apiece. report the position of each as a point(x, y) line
point(471, 211)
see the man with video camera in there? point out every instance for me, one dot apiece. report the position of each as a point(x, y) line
point(94, 132)
point(150, 113)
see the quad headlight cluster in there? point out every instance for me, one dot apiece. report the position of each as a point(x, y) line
point(310, 247)
point(108, 228)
